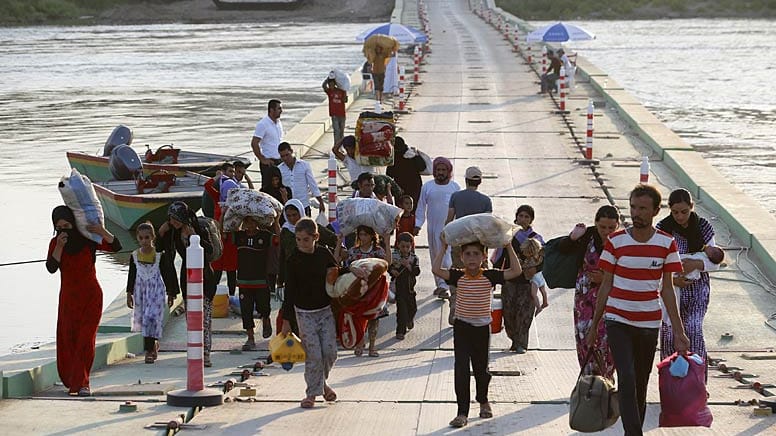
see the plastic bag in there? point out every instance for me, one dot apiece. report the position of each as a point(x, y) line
point(354, 212)
point(486, 228)
point(241, 203)
point(78, 194)
point(412, 152)
point(683, 399)
point(287, 350)
point(322, 219)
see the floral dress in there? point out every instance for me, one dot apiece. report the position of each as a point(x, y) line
point(150, 297)
point(585, 295)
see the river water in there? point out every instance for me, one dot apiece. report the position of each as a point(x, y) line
point(203, 87)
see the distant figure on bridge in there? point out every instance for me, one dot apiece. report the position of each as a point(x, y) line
point(337, 99)
point(550, 77)
point(80, 296)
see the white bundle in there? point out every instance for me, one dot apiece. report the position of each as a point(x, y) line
point(486, 228)
point(370, 212)
point(78, 193)
point(242, 203)
point(342, 79)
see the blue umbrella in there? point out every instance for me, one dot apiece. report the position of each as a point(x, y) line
point(559, 32)
point(404, 34)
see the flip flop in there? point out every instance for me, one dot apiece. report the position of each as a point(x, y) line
point(84, 392)
point(329, 394)
point(307, 403)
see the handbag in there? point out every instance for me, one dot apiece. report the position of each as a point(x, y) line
point(560, 269)
point(593, 405)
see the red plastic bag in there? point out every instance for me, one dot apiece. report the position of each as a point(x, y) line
point(683, 399)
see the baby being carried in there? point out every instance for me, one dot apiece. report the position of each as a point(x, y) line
point(710, 253)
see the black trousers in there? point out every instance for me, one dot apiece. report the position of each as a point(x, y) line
point(633, 351)
point(406, 308)
point(231, 279)
point(470, 344)
point(251, 298)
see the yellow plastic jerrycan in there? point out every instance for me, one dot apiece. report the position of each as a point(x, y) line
point(221, 302)
point(287, 350)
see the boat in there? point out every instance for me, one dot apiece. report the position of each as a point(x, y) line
point(130, 202)
point(165, 158)
point(247, 5)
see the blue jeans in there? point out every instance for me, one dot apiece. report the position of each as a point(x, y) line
point(633, 351)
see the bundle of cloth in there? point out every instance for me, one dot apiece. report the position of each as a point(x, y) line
point(490, 230)
point(241, 203)
point(370, 212)
point(356, 301)
point(78, 194)
point(375, 135)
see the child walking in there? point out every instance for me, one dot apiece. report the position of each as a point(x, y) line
point(471, 331)
point(407, 219)
point(367, 246)
point(306, 300)
point(403, 270)
point(253, 251)
point(146, 291)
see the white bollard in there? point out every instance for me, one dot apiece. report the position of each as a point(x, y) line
point(589, 135)
point(544, 59)
point(644, 170)
point(332, 187)
point(562, 91)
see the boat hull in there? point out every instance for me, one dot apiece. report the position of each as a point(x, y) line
point(127, 210)
point(256, 5)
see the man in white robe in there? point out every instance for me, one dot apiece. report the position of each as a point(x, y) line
point(432, 209)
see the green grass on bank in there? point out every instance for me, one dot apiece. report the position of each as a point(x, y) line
point(637, 9)
point(28, 12)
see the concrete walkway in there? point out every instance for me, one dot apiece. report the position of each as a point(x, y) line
point(477, 105)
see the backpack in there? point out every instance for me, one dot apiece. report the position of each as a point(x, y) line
point(210, 226)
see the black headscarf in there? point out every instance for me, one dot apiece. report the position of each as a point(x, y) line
point(692, 233)
point(274, 171)
point(75, 240)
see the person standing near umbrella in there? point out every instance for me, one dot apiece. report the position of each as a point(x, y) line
point(337, 99)
point(378, 73)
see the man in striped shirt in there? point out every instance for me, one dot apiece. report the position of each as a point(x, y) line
point(471, 331)
point(638, 264)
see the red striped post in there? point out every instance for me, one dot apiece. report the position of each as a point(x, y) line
point(195, 393)
point(194, 315)
point(506, 31)
point(544, 59)
point(490, 16)
point(517, 39)
point(589, 136)
point(562, 92)
point(332, 187)
point(498, 24)
point(402, 95)
point(529, 56)
point(416, 79)
point(644, 170)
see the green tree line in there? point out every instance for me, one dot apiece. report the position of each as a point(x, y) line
point(637, 9)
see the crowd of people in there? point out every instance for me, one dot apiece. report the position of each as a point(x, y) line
point(623, 273)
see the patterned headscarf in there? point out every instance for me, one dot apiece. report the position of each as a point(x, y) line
point(180, 211)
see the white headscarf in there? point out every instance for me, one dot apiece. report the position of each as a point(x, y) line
point(296, 203)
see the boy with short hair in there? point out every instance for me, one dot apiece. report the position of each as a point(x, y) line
point(407, 219)
point(471, 331)
point(403, 270)
point(253, 248)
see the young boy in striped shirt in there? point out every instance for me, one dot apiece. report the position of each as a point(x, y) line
point(638, 265)
point(471, 330)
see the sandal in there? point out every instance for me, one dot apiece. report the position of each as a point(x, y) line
point(358, 351)
point(307, 403)
point(149, 358)
point(374, 353)
point(459, 421)
point(486, 411)
point(329, 394)
point(84, 392)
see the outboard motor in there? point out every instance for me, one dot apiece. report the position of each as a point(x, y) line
point(124, 163)
point(121, 135)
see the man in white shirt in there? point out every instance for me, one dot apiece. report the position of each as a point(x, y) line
point(266, 138)
point(298, 175)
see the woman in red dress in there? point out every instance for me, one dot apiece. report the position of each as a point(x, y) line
point(80, 296)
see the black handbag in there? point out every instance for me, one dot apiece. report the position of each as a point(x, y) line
point(560, 269)
point(593, 405)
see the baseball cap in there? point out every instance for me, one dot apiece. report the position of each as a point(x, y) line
point(473, 173)
point(332, 75)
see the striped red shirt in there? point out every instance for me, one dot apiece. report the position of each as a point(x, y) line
point(473, 293)
point(638, 269)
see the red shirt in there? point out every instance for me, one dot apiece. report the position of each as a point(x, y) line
point(336, 102)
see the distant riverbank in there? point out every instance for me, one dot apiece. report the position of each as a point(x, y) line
point(637, 9)
point(117, 12)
